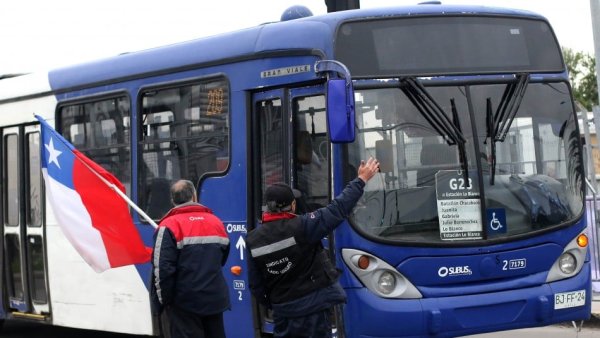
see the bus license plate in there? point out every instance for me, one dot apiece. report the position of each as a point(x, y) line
point(566, 300)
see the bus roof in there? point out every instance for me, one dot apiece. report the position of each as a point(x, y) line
point(307, 35)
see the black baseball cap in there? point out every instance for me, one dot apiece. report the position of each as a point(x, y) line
point(280, 195)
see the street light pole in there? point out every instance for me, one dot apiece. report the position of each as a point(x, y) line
point(595, 12)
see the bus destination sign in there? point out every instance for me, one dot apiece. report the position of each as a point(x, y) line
point(458, 206)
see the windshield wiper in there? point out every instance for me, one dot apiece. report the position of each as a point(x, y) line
point(431, 110)
point(498, 124)
point(491, 132)
point(462, 154)
point(509, 105)
point(437, 118)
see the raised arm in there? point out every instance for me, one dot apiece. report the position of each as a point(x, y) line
point(319, 223)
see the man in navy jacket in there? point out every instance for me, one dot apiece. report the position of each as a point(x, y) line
point(190, 247)
point(290, 270)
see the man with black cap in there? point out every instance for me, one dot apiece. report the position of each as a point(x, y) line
point(290, 270)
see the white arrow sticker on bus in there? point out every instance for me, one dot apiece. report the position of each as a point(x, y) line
point(241, 245)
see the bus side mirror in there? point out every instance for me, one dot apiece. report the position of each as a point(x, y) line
point(340, 100)
point(340, 111)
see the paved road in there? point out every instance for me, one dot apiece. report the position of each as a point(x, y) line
point(19, 329)
point(544, 332)
point(15, 329)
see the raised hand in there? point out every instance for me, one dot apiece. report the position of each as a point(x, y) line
point(367, 170)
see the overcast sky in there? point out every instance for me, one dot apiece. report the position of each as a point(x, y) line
point(36, 35)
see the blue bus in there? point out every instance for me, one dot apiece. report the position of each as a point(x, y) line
point(476, 222)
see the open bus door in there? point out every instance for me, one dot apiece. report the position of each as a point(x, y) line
point(268, 159)
point(296, 153)
point(24, 280)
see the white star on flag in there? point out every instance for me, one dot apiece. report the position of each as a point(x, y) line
point(53, 153)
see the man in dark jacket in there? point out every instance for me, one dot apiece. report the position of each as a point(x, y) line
point(190, 247)
point(290, 270)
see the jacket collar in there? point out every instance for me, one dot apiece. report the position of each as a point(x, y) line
point(187, 208)
point(274, 216)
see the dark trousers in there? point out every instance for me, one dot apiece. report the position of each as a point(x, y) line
point(315, 325)
point(184, 324)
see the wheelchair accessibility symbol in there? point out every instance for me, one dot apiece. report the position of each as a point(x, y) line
point(496, 220)
point(495, 223)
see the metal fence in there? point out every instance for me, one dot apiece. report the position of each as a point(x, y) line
point(587, 124)
point(593, 234)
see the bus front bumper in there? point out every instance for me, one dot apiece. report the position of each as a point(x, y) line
point(367, 315)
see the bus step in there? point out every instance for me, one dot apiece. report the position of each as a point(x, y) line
point(25, 315)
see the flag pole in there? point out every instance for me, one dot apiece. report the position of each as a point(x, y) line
point(130, 202)
point(122, 194)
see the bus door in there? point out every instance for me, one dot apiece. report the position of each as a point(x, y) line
point(296, 153)
point(25, 276)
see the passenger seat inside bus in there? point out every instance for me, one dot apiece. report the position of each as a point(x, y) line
point(304, 147)
point(159, 198)
point(306, 159)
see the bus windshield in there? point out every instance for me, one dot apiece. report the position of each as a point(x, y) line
point(497, 186)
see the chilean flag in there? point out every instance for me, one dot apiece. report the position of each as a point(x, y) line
point(93, 217)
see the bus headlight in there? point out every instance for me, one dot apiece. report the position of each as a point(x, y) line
point(378, 276)
point(386, 283)
point(570, 262)
point(567, 263)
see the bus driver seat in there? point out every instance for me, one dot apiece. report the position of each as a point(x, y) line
point(304, 148)
point(432, 156)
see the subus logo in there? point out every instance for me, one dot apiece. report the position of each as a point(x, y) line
point(454, 271)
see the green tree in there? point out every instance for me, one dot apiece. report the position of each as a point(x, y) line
point(582, 74)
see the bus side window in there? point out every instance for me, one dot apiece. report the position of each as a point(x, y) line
point(100, 130)
point(184, 134)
